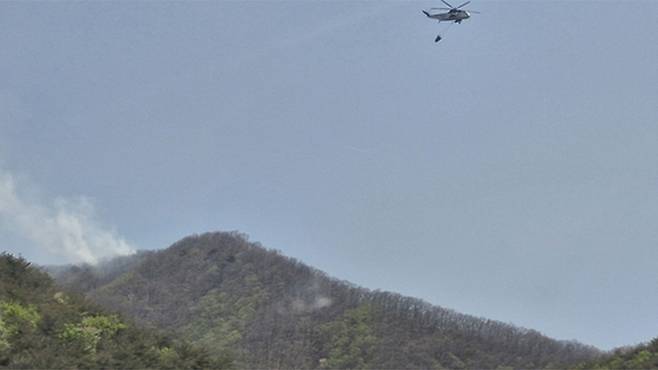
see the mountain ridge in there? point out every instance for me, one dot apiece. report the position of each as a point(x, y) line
point(224, 292)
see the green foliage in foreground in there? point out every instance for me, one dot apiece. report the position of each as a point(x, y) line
point(42, 327)
point(641, 357)
point(88, 333)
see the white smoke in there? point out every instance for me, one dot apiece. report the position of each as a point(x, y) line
point(301, 306)
point(67, 227)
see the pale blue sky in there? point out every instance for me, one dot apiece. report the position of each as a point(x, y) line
point(510, 171)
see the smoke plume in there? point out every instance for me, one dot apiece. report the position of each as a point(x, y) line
point(65, 227)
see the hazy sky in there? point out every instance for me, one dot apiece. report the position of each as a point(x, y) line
point(510, 171)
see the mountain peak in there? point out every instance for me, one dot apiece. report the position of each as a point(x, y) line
point(224, 292)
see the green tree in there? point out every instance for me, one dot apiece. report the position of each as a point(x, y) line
point(88, 333)
point(352, 340)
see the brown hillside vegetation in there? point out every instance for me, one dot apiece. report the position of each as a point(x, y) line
point(270, 311)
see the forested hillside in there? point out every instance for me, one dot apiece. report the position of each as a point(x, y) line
point(43, 327)
point(641, 357)
point(221, 291)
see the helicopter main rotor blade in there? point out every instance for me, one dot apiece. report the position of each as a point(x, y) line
point(464, 4)
point(474, 11)
point(440, 8)
point(447, 3)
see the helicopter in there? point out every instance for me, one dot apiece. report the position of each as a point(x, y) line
point(454, 14)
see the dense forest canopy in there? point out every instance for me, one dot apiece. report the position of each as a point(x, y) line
point(233, 296)
point(45, 327)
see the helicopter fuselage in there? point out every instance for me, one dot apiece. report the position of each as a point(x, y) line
point(452, 16)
